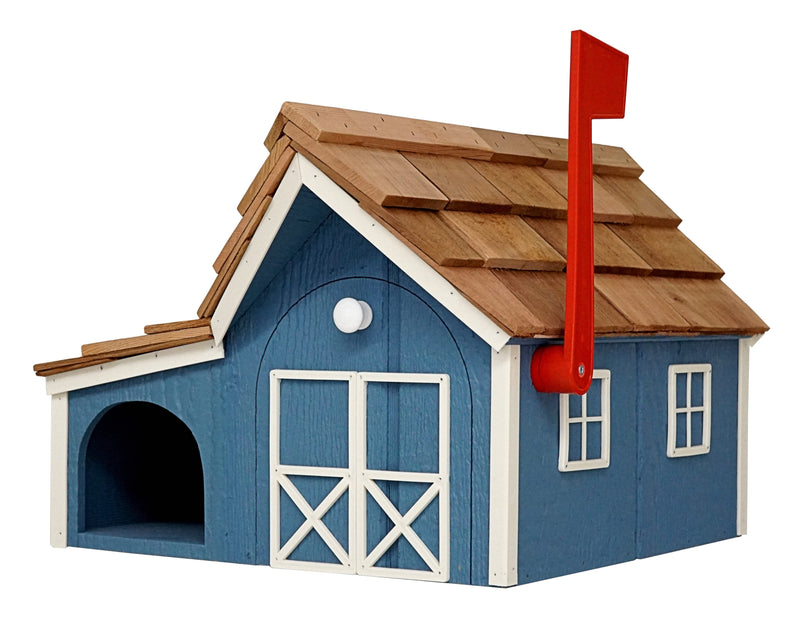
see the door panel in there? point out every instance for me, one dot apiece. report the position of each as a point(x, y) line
point(329, 511)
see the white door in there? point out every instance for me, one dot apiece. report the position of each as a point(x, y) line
point(359, 472)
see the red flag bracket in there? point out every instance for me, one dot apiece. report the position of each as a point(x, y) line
point(597, 86)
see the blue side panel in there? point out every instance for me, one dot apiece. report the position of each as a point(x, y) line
point(226, 444)
point(688, 501)
point(644, 503)
point(575, 521)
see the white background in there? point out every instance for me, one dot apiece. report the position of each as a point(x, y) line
point(131, 131)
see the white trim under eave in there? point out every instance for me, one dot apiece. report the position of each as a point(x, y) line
point(741, 452)
point(504, 467)
point(400, 254)
point(257, 249)
point(59, 421)
point(139, 365)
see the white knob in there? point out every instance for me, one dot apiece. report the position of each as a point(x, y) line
point(351, 315)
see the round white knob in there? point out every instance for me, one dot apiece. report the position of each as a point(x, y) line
point(351, 315)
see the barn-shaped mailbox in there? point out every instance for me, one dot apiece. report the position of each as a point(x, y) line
point(405, 437)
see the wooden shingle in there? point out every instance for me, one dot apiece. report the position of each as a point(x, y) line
point(339, 126)
point(526, 189)
point(668, 251)
point(611, 254)
point(384, 177)
point(464, 187)
point(505, 241)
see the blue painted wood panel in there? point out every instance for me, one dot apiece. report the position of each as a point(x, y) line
point(687, 501)
point(577, 520)
point(644, 503)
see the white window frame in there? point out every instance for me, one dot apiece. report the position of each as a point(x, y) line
point(673, 410)
point(564, 463)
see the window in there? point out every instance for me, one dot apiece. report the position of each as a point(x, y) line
point(585, 426)
point(689, 410)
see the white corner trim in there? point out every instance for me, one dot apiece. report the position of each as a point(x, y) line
point(741, 452)
point(262, 239)
point(59, 409)
point(504, 467)
point(400, 254)
point(139, 365)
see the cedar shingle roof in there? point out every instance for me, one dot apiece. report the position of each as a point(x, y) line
point(487, 210)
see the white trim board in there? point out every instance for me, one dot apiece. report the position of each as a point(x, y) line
point(130, 367)
point(741, 449)
point(504, 467)
point(59, 420)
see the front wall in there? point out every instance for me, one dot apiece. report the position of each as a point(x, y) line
point(285, 323)
point(644, 503)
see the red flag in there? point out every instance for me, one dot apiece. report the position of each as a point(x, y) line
point(598, 82)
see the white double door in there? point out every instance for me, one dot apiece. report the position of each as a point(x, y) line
point(359, 472)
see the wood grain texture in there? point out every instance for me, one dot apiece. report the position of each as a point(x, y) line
point(646, 206)
point(642, 305)
point(608, 207)
point(505, 241)
point(668, 251)
point(511, 147)
point(176, 326)
point(465, 188)
point(611, 254)
point(544, 294)
point(256, 188)
point(526, 189)
point(214, 294)
point(65, 365)
point(488, 293)
point(243, 232)
point(383, 176)
point(605, 159)
point(275, 132)
point(340, 126)
point(428, 232)
point(140, 342)
point(708, 305)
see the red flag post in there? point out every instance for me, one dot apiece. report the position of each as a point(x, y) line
point(598, 83)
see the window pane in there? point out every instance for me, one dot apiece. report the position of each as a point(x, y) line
point(680, 430)
point(680, 390)
point(697, 429)
point(594, 399)
point(594, 440)
point(574, 406)
point(697, 388)
point(575, 430)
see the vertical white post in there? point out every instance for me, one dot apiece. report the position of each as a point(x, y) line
point(504, 467)
point(58, 470)
point(741, 452)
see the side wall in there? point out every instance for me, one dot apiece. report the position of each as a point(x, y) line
point(644, 503)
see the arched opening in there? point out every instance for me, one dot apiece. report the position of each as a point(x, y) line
point(143, 477)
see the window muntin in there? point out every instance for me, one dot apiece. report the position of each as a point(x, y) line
point(689, 410)
point(585, 426)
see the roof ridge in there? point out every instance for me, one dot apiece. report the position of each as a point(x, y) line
point(332, 125)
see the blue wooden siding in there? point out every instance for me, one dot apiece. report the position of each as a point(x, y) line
point(644, 503)
point(688, 501)
point(285, 322)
